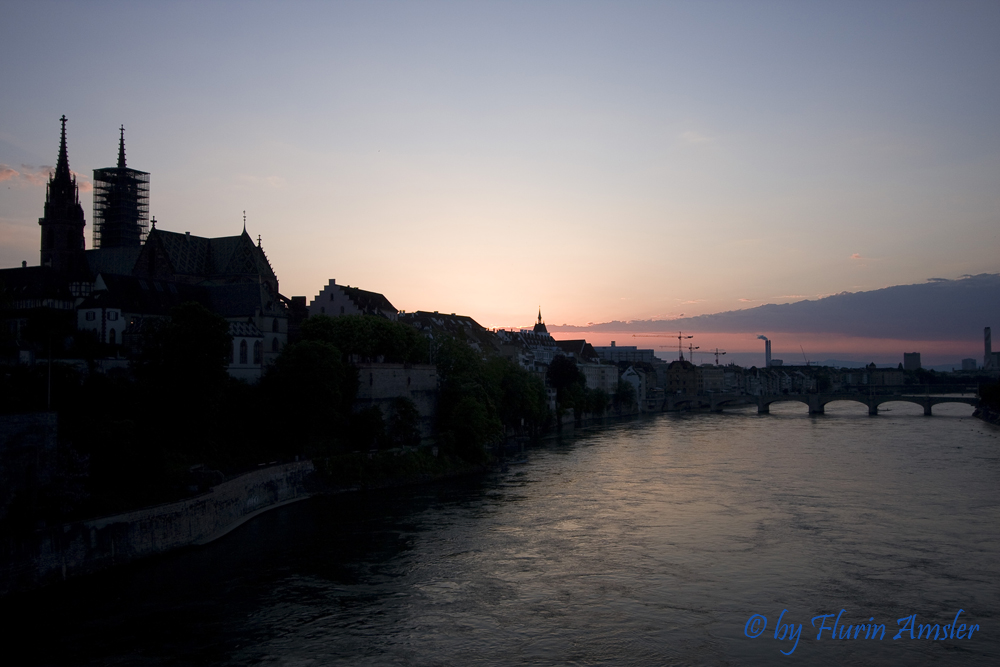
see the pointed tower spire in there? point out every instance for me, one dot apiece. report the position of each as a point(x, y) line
point(62, 225)
point(540, 325)
point(62, 162)
point(244, 222)
point(121, 149)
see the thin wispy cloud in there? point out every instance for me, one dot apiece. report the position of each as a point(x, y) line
point(748, 300)
point(28, 175)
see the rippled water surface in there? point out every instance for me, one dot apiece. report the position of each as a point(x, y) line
point(647, 543)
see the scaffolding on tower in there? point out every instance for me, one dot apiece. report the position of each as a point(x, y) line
point(121, 204)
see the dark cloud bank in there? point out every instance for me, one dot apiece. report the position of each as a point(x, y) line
point(936, 310)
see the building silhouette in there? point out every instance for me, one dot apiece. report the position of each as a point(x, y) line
point(62, 243)
point(127, 285)
point(121, 204)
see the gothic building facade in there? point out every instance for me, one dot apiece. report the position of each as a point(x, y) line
point(131, 279)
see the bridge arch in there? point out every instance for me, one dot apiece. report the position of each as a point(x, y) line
point(855, 402)
point(764, 403)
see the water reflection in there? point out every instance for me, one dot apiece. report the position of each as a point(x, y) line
point(649, 542)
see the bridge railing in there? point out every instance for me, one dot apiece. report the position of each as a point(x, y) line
point(913, 389)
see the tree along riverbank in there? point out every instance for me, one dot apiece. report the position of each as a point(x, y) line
point(989, 404)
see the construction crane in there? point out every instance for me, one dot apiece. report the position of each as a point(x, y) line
point(804, 355)
point(691, 349)
point(717, 353)
point(680, 338)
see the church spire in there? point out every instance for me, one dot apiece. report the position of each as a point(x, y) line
point(62, 162)
point(62, 192)
point(62, 225)
point(540, 325)
point(121, 149)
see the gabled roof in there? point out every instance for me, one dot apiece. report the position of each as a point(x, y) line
point(459, 326)
point(370, 303)
point(191, 255)
point(32, 283)
point(581, 349)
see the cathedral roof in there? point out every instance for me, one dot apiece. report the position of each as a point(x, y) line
point(212, 257)
point(117, 261)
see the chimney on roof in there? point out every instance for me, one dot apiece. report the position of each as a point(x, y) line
point(24, 264)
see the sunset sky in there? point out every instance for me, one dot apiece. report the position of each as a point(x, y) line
point(607, 161)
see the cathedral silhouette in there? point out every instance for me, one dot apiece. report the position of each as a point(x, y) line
point(134, 274)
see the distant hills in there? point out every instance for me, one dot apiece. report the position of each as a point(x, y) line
point(936, 310)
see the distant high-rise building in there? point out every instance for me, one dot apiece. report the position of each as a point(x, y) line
point(767, 353)
point(62, 246)
point(121, 204)
point(988, 344)
point(911, 361)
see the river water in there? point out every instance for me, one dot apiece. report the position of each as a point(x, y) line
point(649, 542)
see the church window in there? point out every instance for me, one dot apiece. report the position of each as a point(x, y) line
point(274, 325)
point(274, 345)
point(112, 315)
point(257, 351)
point(243, 351)
point(112, 338)
point(91, 316)
point(331, 296)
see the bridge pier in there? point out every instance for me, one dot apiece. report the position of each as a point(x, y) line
point(872, 409)
point(815, 407)
point(927, 409)
point(762, 407)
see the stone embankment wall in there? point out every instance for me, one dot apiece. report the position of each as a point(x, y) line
point(988, 415)
point(54, 554)
point(379, 384)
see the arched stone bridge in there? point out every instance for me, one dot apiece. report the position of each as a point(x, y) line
point(816, 402)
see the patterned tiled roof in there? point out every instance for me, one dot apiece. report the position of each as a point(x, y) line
point(244, 329)
point(210, 257)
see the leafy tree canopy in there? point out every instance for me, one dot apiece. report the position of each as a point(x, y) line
point(368, 337)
